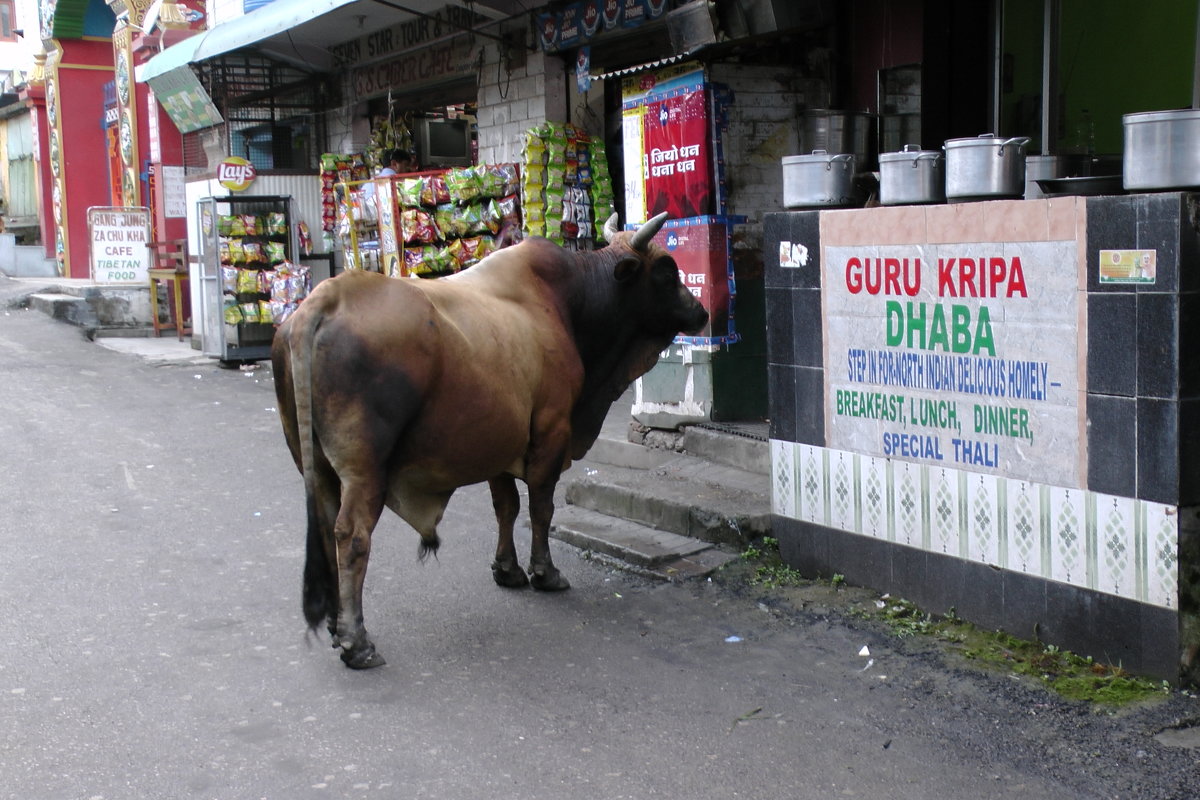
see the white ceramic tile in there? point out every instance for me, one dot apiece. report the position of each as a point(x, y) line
point(873, 497)
point(811, 486)
point(1116, 546)
point(1068, 539)
point(1162, 555)
point(983, 519)
point(842, 494)
point(783, 478)
point(945, 519)
point(1022, 516)
point(906, 502)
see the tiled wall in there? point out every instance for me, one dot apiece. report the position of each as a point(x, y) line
point(1094, 567)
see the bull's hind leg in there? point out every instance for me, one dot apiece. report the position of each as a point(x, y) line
point(542, 572)
point(507, 502)
point(362, 503)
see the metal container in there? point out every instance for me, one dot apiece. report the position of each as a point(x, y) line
point(1042, 167)
point(912, 176)
point(818, 180)
point(839, 132)
point(1162, 149)
point(985, 167)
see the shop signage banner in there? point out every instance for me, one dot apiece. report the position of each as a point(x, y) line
point(578, 23)
point(677, 166)
point(185, 101)
point(700, 247)
point(416, 69)
point(119, 238)
point(441, 24)
point(958, 355)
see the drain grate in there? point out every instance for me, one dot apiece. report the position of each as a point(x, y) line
point(758, 431)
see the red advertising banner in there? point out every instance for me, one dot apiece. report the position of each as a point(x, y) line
point(676, 162)
point(700, 248)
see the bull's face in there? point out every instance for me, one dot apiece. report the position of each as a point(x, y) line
point(652, 283)
point(660, 300)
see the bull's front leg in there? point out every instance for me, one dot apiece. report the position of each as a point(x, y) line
point(542, 572)
point(507, 502)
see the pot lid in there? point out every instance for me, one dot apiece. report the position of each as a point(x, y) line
point(987, 140)
point(911, 152)
point(1162, 116)
point(818, 157)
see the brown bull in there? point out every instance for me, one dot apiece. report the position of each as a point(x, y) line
point(397, 392)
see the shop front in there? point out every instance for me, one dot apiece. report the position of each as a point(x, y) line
point(984, 405)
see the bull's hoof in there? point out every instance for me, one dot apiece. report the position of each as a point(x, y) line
point(548, 579)
point(510, 576)
point(363, 657)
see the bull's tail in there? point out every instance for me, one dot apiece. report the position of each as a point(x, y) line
point(320, 581)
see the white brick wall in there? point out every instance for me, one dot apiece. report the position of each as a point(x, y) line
point(510, 104)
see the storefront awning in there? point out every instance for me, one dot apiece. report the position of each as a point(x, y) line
point(298, 32)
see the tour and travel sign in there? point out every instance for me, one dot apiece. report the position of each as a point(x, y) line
point(958, 355)
point(120, 238)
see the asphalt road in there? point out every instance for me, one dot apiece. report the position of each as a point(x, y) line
point(151, 543)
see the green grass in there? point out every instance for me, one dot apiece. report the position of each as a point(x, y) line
point(1065, 673)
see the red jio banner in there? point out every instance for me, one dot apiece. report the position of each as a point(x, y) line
point(676, 161)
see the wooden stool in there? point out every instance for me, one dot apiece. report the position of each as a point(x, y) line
point(170, 265)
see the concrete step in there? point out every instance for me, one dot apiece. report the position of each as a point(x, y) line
point(64, 307)
point(744, 451)
point(682, 494)
point(99, 309)
point(656, 553)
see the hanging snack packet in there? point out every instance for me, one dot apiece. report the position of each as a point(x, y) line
point(249, 311)
point(254, 253)
point(265, 279)
point(276, 252)
point(410, 191)
point(509, 210)
point(276, 224)
point(252, 225)
point(247, 281)
point(229, 278)
point(232, 314)
point(443, 219)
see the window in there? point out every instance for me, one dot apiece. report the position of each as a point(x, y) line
point(8, 21)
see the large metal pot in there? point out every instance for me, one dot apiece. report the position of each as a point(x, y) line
point(838, 132)
point(1162, 149)
point(985, 167)
point(818, 180)
point(912, 176)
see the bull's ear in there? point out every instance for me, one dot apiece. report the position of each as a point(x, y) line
point(627, 268)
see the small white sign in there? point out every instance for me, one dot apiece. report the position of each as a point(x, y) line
point(119, 238)
point(174, 194)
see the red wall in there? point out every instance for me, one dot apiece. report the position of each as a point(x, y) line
point(84, 69)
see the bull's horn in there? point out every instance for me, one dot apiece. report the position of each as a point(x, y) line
point(642, 236)
point(610, 229)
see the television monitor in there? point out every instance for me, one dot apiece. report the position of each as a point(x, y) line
point(443, 142)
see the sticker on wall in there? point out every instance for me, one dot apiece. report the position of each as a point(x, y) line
point(236, 174)
point(1128, 266)
point(792, 254)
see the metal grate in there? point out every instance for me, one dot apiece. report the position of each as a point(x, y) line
point(274, 113)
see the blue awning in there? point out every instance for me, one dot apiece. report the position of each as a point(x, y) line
point(298, 32)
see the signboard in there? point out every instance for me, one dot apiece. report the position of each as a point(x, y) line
point(677, 166)
point(184, 99)
point(174, 197)
point(578, 23)
point(414, 69)
point(426, 29)
point(236, 174)
point(957, 355)
point(119, 238)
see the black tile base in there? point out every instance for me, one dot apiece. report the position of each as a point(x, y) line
point(1141, 638)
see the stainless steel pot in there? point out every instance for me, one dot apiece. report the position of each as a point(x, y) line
point(985, 167)
point(912, 176)
point(838, 132)
point(1162, 149)
point(818, 180)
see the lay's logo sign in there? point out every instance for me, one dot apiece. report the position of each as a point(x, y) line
point(236, 174)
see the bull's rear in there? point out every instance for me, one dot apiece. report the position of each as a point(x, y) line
point(396, 392)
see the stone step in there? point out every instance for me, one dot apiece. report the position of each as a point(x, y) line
point(683, 495)
point(751, 453)
point(657, 553)
point(65, 307)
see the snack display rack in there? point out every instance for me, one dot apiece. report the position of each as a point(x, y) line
point(428, 224)
point(250, 280)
